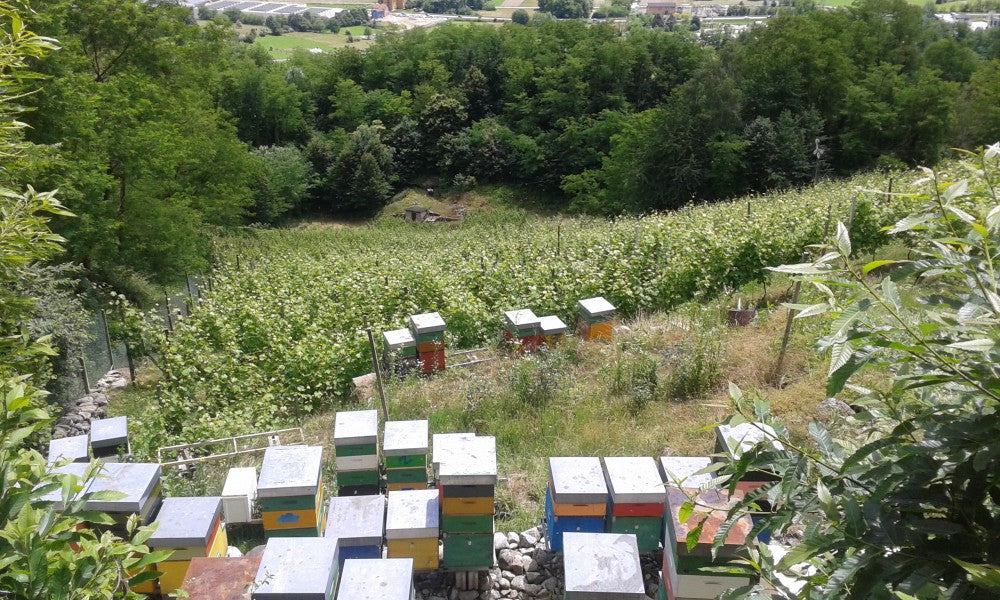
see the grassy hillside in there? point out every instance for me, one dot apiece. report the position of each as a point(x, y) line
point(282, 333)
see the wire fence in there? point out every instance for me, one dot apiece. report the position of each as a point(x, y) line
point(104, 351)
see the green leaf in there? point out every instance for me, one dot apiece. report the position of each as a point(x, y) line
point(694, 535)
point(685, 511)
point(987, 576)
point(843, 240)
point(839, 355)
point(911, 222)
point(868, 268)
point(978, 345)
point(813, 310)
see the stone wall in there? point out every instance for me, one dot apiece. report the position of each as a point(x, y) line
point(77, 416)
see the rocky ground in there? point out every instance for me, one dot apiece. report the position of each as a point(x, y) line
point(76, 419)
point(525, 570)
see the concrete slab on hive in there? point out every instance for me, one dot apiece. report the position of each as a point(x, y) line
point(734, 440)
point(290, 471)
point(602, 566)
point(634, 480)
point(712, 507)
point(220, 578)
point(405, 438)
point(412, 514)
point(577, 480)
point(135, 480)
point(521, 319)
point(474, 464)
point(108, 433)
point(353, 427)
point(398, 339)
point(552, 325)
point(186, 522)
point(376, 579)
point(679, 471)
point(596, 307)
point(427, 323)
point(297, 568)
point(73, 449)
point(356, 520)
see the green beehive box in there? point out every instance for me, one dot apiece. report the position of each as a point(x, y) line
point(304, 532)
point(468, 551)
point(647, 530)
point(418, 475)
point(467, 524)
point(287, 503)
point(357, 450)
point(429, 337)
point(345, 478)
point(406, 462)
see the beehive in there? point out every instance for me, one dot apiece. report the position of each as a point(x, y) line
point(358, 524)
point(552, 329)
point(734, 440)
point(428, 329)
point(355, 440)
point(290, 491)
point(73, 449)
point(412, 527)
point(576, 498)
point(142, 493)
point(385, 579)
point(602, 565)
point(687, 573)
point(467, 477)
point(238, 494)
point(637, 499)
point(522, 329)
point(221, 578)
point(191, 528)
point(109, 437)
point(299, 569)
point(400, 350)
point(595, 319)
point(405, 444)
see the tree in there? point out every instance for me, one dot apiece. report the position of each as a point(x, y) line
point(900, 499)
point(980, 107)
point(566, 9)
point(520, 16)
point(280, 182)
point(362, 174)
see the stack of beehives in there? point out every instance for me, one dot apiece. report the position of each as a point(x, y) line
point(576, 499)
point(466, 474)
point(522, 330)
point(595, 320)
point(688, 573)
point(404, 444)
point(428, 329)
point(732, 441)
point(109, 437)
point(191, 528)
point(355, 440)
point(290, 491)
point(412, 527)
point(637, 499)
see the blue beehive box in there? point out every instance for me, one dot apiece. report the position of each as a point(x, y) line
point(557, 526)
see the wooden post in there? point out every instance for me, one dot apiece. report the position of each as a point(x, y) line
point(559, 238)
point(636, 244)
point(131, 362)
point(83, 371)
point(187, 280)
point(850, 218)
point(776, 376)
point(748, 209)
point(378, 371)
point(107, 339)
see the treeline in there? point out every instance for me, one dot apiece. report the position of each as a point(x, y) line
point(155, 130)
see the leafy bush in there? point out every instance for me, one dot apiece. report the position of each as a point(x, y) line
point(696, 369)
point(536, 380)
point(634, 375)
point(902, 499)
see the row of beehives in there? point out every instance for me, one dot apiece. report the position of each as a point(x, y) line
point(637, 496)
point(108, 439)
point(423, 342)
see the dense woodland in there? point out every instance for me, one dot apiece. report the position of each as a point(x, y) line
point(155, 129)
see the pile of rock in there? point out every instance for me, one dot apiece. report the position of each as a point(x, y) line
point(526, 570)
point(76, 419)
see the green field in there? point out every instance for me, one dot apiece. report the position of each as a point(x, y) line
point(283, 46)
